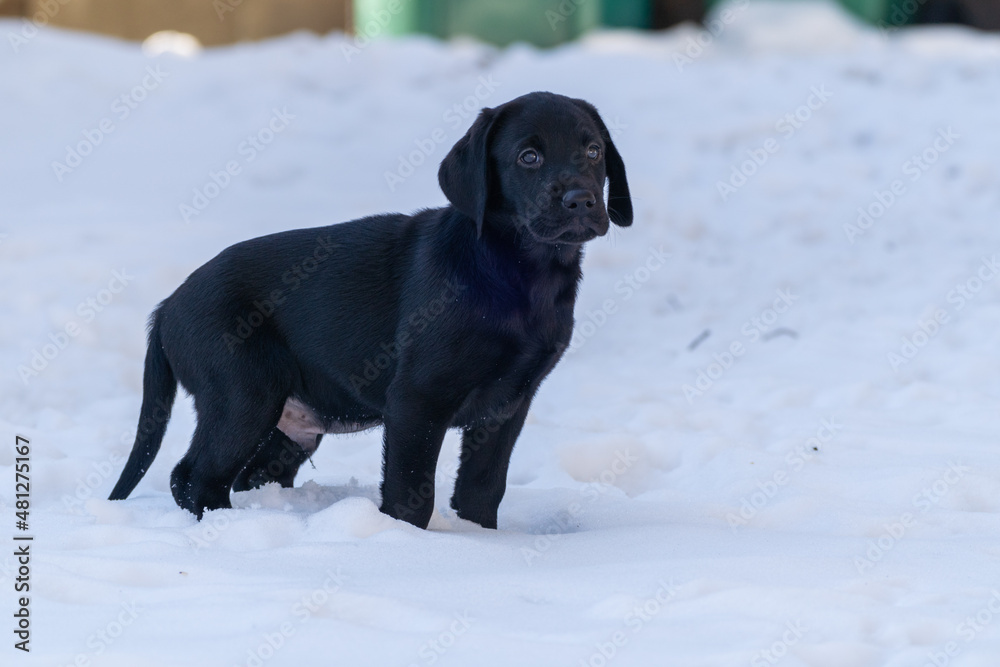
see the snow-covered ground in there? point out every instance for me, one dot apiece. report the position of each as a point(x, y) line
point(776, 446)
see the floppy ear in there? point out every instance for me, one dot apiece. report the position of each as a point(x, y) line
point(464, 173)
point(619, 199)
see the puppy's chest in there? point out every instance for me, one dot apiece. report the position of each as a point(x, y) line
point(549, 320)
point(542, 334)
point(516, 372)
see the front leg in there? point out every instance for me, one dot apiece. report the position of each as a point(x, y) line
point(482, 472)
point(413, 436)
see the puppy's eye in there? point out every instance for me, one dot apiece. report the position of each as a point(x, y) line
point(529, 156)
point(594, 151)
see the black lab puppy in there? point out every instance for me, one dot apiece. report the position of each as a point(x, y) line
point(449, 318)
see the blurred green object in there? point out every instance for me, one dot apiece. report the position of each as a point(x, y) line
point(880, 12)
point(539, 22)
point(885, 12)
point(871, 10)
point(626, 13)
point(552, 22)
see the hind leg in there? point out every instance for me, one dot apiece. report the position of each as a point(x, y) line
point(228, 433)
point(277, 460)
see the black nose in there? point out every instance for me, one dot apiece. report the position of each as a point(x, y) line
point(577, 198)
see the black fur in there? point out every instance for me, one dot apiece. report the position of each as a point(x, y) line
point(448, 318)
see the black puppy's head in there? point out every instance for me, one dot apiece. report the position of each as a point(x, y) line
point(539, 162)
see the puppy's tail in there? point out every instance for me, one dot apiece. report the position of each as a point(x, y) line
point(159, 388)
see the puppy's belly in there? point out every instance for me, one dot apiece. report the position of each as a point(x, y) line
point(301, 423)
